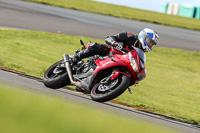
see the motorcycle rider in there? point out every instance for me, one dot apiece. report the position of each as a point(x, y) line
point(144, 42)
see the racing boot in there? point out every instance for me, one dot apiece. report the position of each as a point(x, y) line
point(79, 56)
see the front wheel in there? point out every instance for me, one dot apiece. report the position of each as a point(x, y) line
point(56, 76)
point(102, 93)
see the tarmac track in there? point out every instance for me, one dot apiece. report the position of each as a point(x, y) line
point(35, 85)
point(30, 16)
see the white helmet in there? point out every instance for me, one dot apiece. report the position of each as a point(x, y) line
point(148, 39)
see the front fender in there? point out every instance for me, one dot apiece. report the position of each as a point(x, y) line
point(116, 74)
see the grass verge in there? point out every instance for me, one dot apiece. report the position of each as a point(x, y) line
point(126, 12)
point(23, 111)
point(171, 87)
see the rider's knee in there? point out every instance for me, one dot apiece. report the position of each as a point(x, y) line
point(98, 48)
point(93, 47)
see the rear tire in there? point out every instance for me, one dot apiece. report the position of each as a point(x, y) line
point(54, 81)
point(119, 88)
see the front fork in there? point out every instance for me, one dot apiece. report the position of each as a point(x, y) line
point(116, 74)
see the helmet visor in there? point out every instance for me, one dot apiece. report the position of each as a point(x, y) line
point(149, 42)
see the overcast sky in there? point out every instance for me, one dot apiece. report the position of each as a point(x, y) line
point(152, 5)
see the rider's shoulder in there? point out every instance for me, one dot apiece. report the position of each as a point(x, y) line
point(126, 33)
point(129, 34)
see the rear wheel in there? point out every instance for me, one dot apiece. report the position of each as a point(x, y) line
point(104, 92)
point(56, 76)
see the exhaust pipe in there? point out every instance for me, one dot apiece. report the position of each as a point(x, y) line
point(69, 71)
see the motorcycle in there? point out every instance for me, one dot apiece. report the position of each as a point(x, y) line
point(103, 77)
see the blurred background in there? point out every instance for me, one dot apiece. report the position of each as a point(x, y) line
point(153, 5)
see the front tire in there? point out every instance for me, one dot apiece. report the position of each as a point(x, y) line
point(56, 80)
point(119, 87)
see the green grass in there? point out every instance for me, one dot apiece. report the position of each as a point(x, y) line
point(26, 112)
point(126, 12)
point(171, 87)
point(33, 52)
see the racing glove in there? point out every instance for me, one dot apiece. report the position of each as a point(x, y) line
point(116, 45)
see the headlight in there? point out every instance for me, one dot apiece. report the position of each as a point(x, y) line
point(133, 62)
